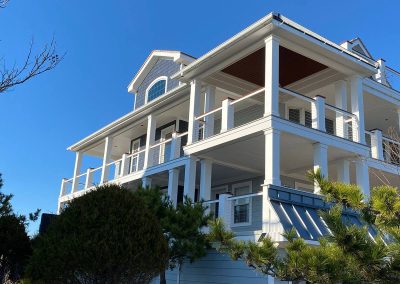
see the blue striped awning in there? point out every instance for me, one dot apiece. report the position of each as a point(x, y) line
point(299, 210)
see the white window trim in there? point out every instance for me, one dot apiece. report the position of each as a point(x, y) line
point(165, 78)
point(234, 186)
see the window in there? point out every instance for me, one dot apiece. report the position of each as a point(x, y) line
point(156, 89)
point(294, 115)
point(242, 206)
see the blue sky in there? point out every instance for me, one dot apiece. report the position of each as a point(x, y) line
point(105, 43)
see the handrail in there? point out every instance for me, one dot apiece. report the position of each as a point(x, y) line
point(298, 95)
point(248, 96)
point(390, 140)
point(182, 134)
point(211, 201)
point(235, 197)
point(208, 113)
point(161, 143)
point(342, 111)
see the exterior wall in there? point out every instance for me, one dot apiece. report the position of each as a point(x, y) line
point(163, 67)
point(216, 268)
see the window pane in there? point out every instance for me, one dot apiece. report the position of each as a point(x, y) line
point(241, 213)
point(156, 90)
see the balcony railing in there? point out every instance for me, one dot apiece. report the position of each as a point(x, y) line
point(310, 112)
point(383, 148)
point(159, 153)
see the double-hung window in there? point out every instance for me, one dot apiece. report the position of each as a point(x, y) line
point(242, 206)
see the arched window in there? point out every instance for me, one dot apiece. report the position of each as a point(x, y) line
point(156, 89)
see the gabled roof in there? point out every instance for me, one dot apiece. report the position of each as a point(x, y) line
point(176, 56)
point(357, 45)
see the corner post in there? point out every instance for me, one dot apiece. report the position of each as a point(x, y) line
point(150, 136)
point(106, 160)
point(272, 157)
point(318, 113)
point(89, 178)
point(341, 102)
point(320, 161)
point(271, 76)
point(377, 145)
point(173, 182)
point(225, 209)
point(209, 104)
point(357, 108)
point(194, 106)
point(190, 178)
point(227, 119)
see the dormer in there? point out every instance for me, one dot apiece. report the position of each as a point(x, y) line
point(154, 77)
point(356, 45)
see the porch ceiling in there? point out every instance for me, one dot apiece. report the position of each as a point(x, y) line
point(296, 155)
point(292, 67)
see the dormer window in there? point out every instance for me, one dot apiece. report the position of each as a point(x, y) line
point(156, 89)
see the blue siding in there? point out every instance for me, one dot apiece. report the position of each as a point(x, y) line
point(163, 67)
point(216, 268)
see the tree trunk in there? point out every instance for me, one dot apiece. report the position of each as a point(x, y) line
point(162, 277)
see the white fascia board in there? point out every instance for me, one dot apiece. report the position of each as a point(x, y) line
point(176, 56)
point(381, 91)
point(369, 66)
point(311, 34)
point(129, 118)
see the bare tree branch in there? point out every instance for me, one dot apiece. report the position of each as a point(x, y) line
point(35, 65)
point(3, 3)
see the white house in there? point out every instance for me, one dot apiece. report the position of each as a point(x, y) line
point(240, 126)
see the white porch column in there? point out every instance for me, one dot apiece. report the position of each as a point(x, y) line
point(146, 182)
point(173, 182)
point(357, 108)
point(194, 106)
point(105, 169)
point(225, 209)
point(320, 161)
point(376, 144)
point(318, 113)
point(77, 170)
point(209, 104)
point(227, 118)
point(362, 175)
point(205, 179)
point(175, 147)
point(343, 171)
point(89, 178)
point(190, 178)
point(272, 157)
point(271, 76)
point(124, 165)
point(150, 136)
point(341, 102)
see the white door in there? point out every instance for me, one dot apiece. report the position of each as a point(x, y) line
point(135, 157)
